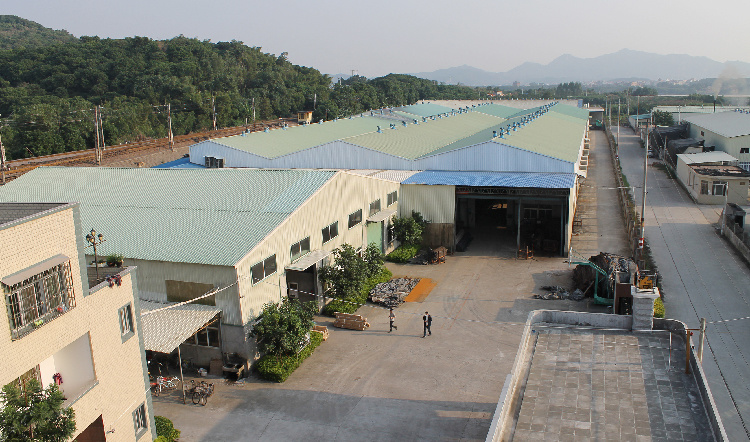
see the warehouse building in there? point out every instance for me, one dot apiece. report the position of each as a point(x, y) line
point(236, 238)
point(713, 178)
point(467, 167)
point(724, 131)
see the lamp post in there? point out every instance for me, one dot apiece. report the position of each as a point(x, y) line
point(92, 238)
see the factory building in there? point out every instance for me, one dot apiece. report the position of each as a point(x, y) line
point(724, 131)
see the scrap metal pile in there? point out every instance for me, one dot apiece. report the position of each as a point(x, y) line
point(617, 268)
point(393, 292)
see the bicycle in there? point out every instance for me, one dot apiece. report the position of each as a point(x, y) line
point(201, 392)
point(164, 383)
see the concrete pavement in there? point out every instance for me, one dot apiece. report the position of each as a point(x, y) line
point(702, 277)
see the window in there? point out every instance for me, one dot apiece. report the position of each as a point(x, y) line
point(140, 421)
point(719, 187)
point(208, 336)
point(392, 197)
point(126, 321)
point(39, 298)
point(355, 218)
point(745, 166)
point(704, 187)
point(300, 249)
point(330, 232)
point(263, 269)
point(744, 149)
point(391, 233)
point(374, 207)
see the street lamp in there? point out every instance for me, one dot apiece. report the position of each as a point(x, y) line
point(92, 238)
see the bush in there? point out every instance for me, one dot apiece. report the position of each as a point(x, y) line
point(351, 304)
point(278, 368)
point(658, 308)
point(165, 430)
point(115, 260)
point(403, 253)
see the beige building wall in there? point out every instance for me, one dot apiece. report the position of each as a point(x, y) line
point(119, 383)
point(732, 146)
point(342, 195)
point(737, 187)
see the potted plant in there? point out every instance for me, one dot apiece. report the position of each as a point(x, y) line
point(115, 260)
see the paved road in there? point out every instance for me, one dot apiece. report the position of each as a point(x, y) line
point(702, 277)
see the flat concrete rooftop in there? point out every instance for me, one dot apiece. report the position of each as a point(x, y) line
point(586, 384)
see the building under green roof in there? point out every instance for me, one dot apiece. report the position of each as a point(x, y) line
point(498, 110)
point(424, 110)
point(553, 134)
point(174, 215)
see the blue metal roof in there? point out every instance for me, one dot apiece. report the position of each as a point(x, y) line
point(494, 179)
point(182, 163)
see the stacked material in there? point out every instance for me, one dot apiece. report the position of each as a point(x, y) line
point(352, 322)
point(393, 292)
point(322, 329)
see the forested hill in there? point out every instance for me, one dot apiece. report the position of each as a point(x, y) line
point(17, 33)
point(47, 93)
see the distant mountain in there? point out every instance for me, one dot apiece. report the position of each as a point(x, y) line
point(18, 33)
point(624, 64)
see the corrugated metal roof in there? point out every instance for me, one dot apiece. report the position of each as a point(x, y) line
point(552, 134)
point(494, 179)
point(424, 110)
point(390, 175)
point(706, 157)
point(279, 142)
point(726, 124)
point(708, 109)
point(182, 163)
point(416, 140)
point(164, 330)
point(497, 110)
point(578, 112)
point(181, 210)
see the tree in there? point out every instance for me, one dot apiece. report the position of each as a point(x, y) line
point(348, 274)
point(407, 230)
point(374, 260)
point(282, 328)
point(644, 91)
point(35, 414)
point(662, 118)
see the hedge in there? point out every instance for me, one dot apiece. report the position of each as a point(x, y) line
point(165, 430)
point(278, 368)
point(403, 253)
point(658, 308)
point(351, 304)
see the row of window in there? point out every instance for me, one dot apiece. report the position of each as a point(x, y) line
point(267, 267)
point(717, 187)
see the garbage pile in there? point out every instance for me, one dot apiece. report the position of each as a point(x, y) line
point(393, 292)
point(618, 269)
point(421, 258)
point(557, 292)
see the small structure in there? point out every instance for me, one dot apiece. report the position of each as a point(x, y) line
point(304, 117)
point(713, 177)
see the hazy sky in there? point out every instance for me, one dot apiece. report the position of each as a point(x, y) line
point(379, 37)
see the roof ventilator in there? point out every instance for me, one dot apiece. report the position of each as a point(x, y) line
point(379, 130)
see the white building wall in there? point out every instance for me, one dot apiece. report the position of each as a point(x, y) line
point(437, 204)
point(492, 156)
point(340, 196)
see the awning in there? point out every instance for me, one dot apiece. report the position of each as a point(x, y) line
point(36, 269)
point(306, 261)
point(380, 216)
point(164, 329)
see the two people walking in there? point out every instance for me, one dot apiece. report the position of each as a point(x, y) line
point(427, 319)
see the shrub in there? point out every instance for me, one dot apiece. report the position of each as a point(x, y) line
point(165, 430)
point(658, 308)
point(278, 368)
point(403, 253)
point(407, 230)
point(115, 260)
point(352, 303)
point(281, 329)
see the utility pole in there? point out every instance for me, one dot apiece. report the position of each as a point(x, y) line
point(701, 338)
point(213, 105)
point(96, 137)
point(315, 100)
point(253, 112)
point(169, 123)
point(3, 166)
point(641, 243)
point(618, 124)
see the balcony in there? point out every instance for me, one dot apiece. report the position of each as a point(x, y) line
point(71, 368)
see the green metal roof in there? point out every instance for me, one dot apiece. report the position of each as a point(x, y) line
point(417, 140)
point(498, 110)
point(424, 110)
point(280, 142)
point(552, 134)
point(208, 216)
point(578, 112)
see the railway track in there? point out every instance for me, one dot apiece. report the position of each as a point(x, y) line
point(87, 157)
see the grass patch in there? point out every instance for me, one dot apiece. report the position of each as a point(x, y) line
point(403, 253)
point(279, 368)
point(352, 303)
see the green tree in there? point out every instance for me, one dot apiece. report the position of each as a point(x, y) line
point(282, 328)
point(35, 414)
point(407, 230)
point(346, 277)
point(373, 259)
point(662, 118)
point(643, 91)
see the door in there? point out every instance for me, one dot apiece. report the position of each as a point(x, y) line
point(375, 234)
